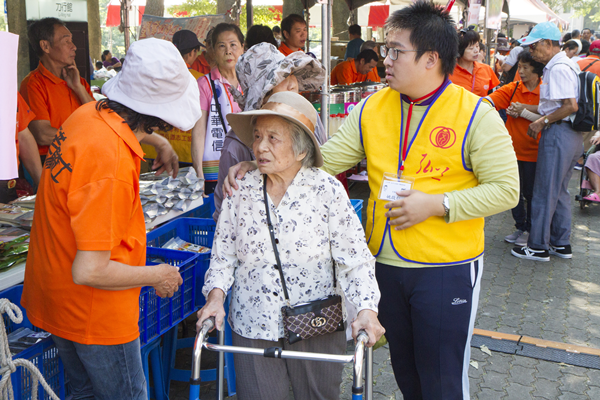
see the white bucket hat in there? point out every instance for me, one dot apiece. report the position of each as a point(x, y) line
point(155, 81)
point(287, 105)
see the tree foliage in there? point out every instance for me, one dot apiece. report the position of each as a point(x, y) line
point(118, 38)
point(583, 8)
point(263, 15)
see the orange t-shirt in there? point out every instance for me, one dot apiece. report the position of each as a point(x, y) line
point(584, 62)
point(88, 200)
point(525, 146)
point(201, 65)
point(479, 82)
point(345, 73)
point(285, 50)
point(50, 98)
point(24, 117)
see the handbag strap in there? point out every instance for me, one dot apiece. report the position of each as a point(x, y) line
point(515, 91)
point(589, 65)
point(214, 89)
point(274, 241)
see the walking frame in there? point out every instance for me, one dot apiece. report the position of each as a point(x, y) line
point(362, 357)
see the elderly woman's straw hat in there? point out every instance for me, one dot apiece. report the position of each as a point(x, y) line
point(263, 67)
point(287, 105)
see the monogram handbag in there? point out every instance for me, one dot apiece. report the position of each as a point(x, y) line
point(306, 320)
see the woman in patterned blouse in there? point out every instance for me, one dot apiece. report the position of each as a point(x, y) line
point(316, 231)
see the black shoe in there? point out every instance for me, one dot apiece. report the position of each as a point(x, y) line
point(561, 251)
point(528, 253)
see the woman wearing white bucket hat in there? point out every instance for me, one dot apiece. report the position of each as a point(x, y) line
point(315, 230)
point(263, 71)
point(87, 251)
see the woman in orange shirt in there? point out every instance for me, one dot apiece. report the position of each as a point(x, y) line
point(474, 76)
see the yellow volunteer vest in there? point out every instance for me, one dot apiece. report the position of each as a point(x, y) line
point(435, 161)
point(180, 140)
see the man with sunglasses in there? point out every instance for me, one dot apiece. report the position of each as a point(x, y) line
point(449, 161)
point(560, 147)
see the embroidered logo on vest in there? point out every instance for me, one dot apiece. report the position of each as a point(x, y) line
point(442, 137)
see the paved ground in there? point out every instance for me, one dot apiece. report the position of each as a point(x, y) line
point(558, 300)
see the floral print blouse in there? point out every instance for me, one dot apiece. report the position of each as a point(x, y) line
point(316, 228)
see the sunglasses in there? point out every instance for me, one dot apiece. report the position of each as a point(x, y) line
point(533, 46)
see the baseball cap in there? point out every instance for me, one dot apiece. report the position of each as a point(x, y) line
point(542, 31)
point(185, 40)
point(595, 47)
point(155, 81)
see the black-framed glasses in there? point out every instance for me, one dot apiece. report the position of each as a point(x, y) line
point(533, 46)
point(392, 52)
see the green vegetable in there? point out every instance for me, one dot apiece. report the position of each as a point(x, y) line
point(19, 248)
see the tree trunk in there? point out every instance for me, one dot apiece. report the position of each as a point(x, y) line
point(226, 7)
point(292, 7)
point(340, 15)
point(155, 7)
point(94, 32)
point(17, 24)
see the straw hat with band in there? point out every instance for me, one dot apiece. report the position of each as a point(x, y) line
point(287, 105)
point(155, 81)
point(263, 67)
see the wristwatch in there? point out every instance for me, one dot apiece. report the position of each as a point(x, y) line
point(446, 204)
point(546, 121)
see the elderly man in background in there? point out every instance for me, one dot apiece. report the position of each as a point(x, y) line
point(205, 61)
point(559, 147)
point(55, 89)
point(362, 68)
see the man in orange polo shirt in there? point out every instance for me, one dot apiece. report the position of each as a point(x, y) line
point(204, 61)
point(55, 89)
point(360, 69)
point(293, 29)
point(87, 253)
point(511, 97)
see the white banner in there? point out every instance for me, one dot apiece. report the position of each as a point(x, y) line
point(9, 44)
point(474, 8)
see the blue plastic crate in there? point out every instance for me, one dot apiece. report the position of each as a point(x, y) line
point(158, 315)
point(44, 355)
point(358, 206)
point(200, 231)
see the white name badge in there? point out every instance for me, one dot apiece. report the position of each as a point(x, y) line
point(392, 184)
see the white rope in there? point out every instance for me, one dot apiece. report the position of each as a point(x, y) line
point(9, 366)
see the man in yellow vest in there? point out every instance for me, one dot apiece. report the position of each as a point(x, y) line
point(439, 161)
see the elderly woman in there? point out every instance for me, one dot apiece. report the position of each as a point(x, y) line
point(315, 232)
point(476, 77)
point(278, 73)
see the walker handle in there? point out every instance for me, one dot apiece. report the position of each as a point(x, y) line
point(359, 355)
point(207, 325)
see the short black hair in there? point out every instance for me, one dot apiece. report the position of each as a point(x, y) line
point(466, 39)
point(567, 37)
point(525, 57)
point(188, 51)
point(134, 119)
point(585, 47)
point(367, 55)
point(42, 29)
point(225, 27)
point(431, 29)
point(354, 30)
point(276, 29)
point(482, 47)
point(575, 33)
point(288, 22)
point(259, 34)
point(501, 35)
point(104, 54)
point(588, 29)
point(99, 64)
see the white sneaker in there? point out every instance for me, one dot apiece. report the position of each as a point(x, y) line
point(514, 236)
point(522, 240)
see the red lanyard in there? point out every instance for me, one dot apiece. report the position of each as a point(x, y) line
point(410, 108)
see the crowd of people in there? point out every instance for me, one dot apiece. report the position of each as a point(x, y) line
point(449, 142)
